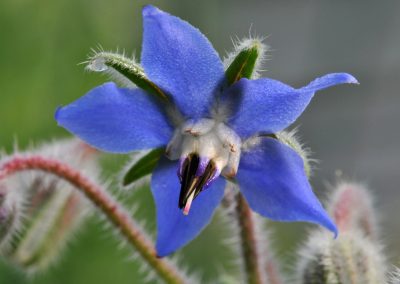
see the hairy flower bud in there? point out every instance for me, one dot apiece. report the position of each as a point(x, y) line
point(352, 208)
point(355, 257)
point(352, 259)
point(52, 210)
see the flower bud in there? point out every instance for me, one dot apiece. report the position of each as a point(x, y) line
point(351, 258)
point(352, 208)
point(355, 257)
point(52, 209)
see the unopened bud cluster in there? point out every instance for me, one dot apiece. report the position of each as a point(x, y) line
point(351, 258)
point(355, 257)
point(39, 212)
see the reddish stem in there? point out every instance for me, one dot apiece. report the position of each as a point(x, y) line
point(250, 251)
point(110, 208)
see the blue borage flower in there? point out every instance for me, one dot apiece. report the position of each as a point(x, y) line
point(205, 145)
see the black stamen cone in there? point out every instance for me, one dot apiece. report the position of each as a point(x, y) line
point(188, 178)
point(190, 182)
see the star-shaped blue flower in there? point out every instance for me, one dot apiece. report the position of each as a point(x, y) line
point(213, 133)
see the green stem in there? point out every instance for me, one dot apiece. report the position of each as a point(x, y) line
point(107, 205)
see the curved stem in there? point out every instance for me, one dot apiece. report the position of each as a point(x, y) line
point(105, 202)
point(254, 271)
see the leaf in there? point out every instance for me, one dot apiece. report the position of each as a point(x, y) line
point(143, 167)
point(243, 65)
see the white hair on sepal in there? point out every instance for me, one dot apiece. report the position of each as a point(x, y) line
point(111, 64)
point(291, 139)
point(246, 43)
point(98, 59)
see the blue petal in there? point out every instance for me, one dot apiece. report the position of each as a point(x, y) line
point(272, 179)
point(180, 59)
point(116, 120)
point(268, 106)
point(174, 229)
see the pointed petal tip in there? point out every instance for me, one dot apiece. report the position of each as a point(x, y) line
point(334, 230)
point(162, 250)
point(159, 256)
point(329, 80)
point(335, 234)
point(150, 10)
point(341, 78)
point(331, 226)
point(350, 79)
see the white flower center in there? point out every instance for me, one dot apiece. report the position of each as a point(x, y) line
point(206, 149)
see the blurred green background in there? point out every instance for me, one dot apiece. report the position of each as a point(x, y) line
point(351, 130)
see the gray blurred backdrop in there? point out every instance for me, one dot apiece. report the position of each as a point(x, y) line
point(352, 130)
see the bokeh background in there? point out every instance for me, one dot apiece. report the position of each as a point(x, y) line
point(352, 130)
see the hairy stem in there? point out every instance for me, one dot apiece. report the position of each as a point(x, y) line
point(105, 202)
point(271, 265)
point(250, 251)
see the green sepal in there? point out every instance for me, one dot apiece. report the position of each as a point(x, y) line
point(143, 167)
point(243, 65)
point(125, 67)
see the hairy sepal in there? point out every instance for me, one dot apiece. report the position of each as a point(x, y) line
point(245, 61)
point(142, 167)
point(123, 70)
